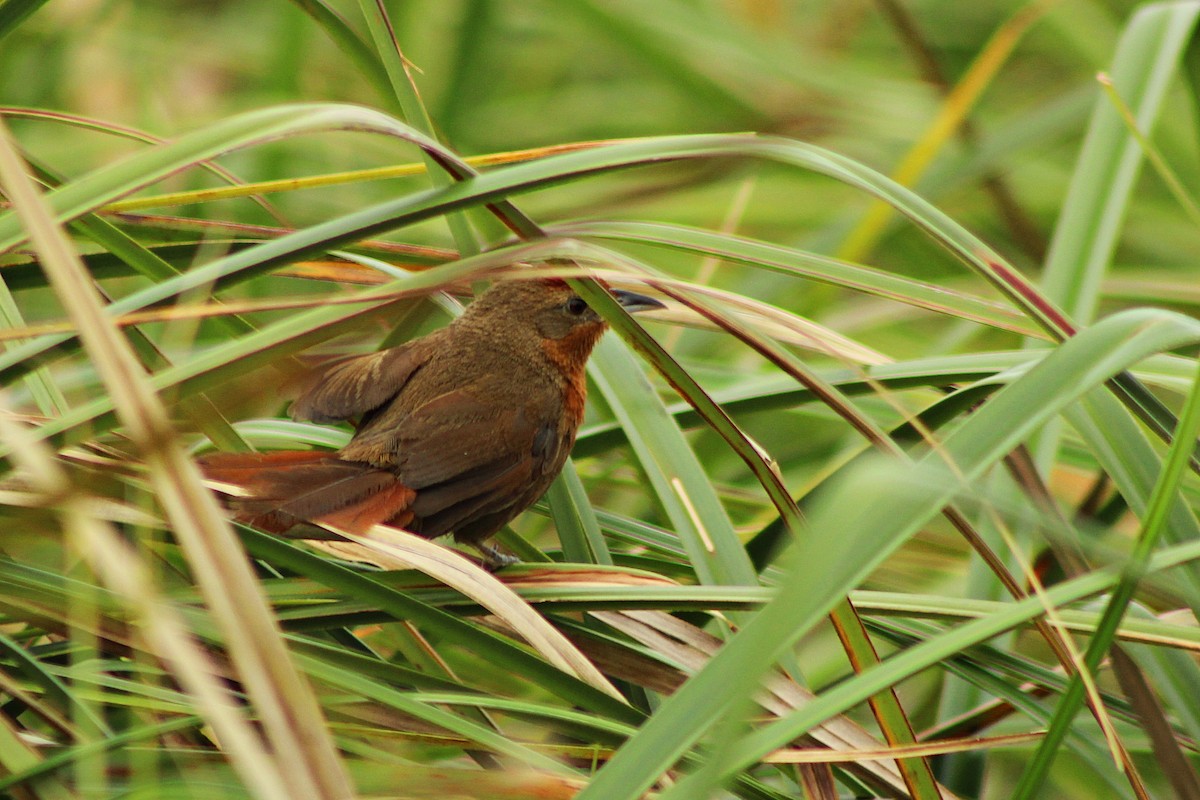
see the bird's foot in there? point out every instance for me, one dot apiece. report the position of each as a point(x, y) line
point(494, 559)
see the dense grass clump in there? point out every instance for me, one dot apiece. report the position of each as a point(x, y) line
point(896, 498)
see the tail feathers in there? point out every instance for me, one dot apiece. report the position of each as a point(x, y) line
point(283, 489)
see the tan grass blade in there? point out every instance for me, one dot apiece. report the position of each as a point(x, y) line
point(691, 648)
point(940, 747)
point(776, 323)
point(286, 704)
point(122, 569)
point(395, 549)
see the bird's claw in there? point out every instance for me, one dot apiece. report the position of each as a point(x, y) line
point(493, 559)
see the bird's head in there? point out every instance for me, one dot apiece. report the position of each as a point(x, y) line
point(550, 308)
point(549, 312)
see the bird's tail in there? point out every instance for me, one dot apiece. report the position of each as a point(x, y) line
point(279, 490)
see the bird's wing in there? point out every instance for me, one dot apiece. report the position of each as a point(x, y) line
point(465, 454)
point(464, 431)
point(360, 384)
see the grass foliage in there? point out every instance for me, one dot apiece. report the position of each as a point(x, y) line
point(897, 498)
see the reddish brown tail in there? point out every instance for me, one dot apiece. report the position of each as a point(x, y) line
point(287, 488)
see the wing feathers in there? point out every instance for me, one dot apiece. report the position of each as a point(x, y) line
point(360, 384)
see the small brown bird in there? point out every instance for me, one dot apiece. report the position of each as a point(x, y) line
point(458, 431)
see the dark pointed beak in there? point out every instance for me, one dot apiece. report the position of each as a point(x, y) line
point(633, 302)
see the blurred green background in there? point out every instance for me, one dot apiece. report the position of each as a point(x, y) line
point(866, 79)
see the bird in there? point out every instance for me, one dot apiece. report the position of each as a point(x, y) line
point(458, 431)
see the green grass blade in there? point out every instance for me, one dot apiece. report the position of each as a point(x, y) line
point(575, 520)
point(1147, 59)
point(1162, 499)
point(404, 90)
point(502, 651)
point(14, 12)
point(670, 465)
point(142, 169)
point(929, 653)
point(819, 575)
point(348, 41)
point(795, 262)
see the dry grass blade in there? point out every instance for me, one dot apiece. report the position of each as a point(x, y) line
point(422, 783)
point(122, 570)
point(197, 311)
point(96, 507)
point(291, 717)
point(938, 748)
point(777, 323)
point(395, 549)
point(691, 648)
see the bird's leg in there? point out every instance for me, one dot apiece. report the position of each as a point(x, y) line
point(493, 558)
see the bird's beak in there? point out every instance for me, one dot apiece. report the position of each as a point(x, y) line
point(632, 301)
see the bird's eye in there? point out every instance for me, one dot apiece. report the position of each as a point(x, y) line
point(576, 306)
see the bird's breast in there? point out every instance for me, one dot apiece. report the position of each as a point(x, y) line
point(568, 356)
